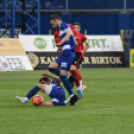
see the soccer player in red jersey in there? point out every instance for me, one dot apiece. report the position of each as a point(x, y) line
point(81, 40)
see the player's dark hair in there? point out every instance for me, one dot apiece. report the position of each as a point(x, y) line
point(77, 23)
point(54, 17)
point(44, 78)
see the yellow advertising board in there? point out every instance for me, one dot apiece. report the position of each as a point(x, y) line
point(11, 46)
point(131, 58)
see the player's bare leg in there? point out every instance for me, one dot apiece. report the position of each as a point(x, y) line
point(53, 65)
point(41, 87)
point(63, 72)
point(53, 68)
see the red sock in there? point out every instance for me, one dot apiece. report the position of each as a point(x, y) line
point(77, 75)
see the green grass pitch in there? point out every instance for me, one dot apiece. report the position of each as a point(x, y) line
point(107, 106)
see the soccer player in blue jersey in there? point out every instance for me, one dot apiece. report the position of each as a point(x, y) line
point(66, 59)
point(51, 88)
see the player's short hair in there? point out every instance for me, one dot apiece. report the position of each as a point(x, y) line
point(44, 78)
point(54, 17)
point(77, 23)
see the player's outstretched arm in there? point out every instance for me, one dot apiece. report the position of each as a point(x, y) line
point(52, 77)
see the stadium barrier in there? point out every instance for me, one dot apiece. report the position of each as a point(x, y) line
point(104, 51)
point(13, 56)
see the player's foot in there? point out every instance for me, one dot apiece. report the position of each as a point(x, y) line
point(84, 87)
point(21, 99)
point(79, 93)
point(73, 99)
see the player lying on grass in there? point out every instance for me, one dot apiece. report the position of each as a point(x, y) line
point(51, 88)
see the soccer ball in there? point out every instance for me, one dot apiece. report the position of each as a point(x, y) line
point(37, 100)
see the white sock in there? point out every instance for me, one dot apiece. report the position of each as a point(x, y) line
point(26, 99)
point(71, 95)
point(67, 101)
point(68, 76)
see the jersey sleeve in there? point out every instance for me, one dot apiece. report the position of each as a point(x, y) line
point(73, 29)
point(53, 82)
point(64, 26)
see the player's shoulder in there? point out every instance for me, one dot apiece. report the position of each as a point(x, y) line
point(82, 35)
point(63, 24)
point(71, 26)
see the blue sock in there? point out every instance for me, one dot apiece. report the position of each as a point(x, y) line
point(58, 103)
point(67, 84)
point(54, 71)
point(32, 92)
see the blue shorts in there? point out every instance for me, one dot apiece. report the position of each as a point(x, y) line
point(58, 94)
point(65, 60)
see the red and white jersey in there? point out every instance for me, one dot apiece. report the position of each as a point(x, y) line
point(80, 40)
point(73, 29)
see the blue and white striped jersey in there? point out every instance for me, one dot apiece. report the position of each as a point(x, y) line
point(57, 93)
point(53, 84)
point(68, 45)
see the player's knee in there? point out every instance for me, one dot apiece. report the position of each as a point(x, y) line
point(63, 72)
point(50, 66)
point(53, 65)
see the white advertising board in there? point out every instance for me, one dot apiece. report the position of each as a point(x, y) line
point(44, 43)
point(15, 63)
